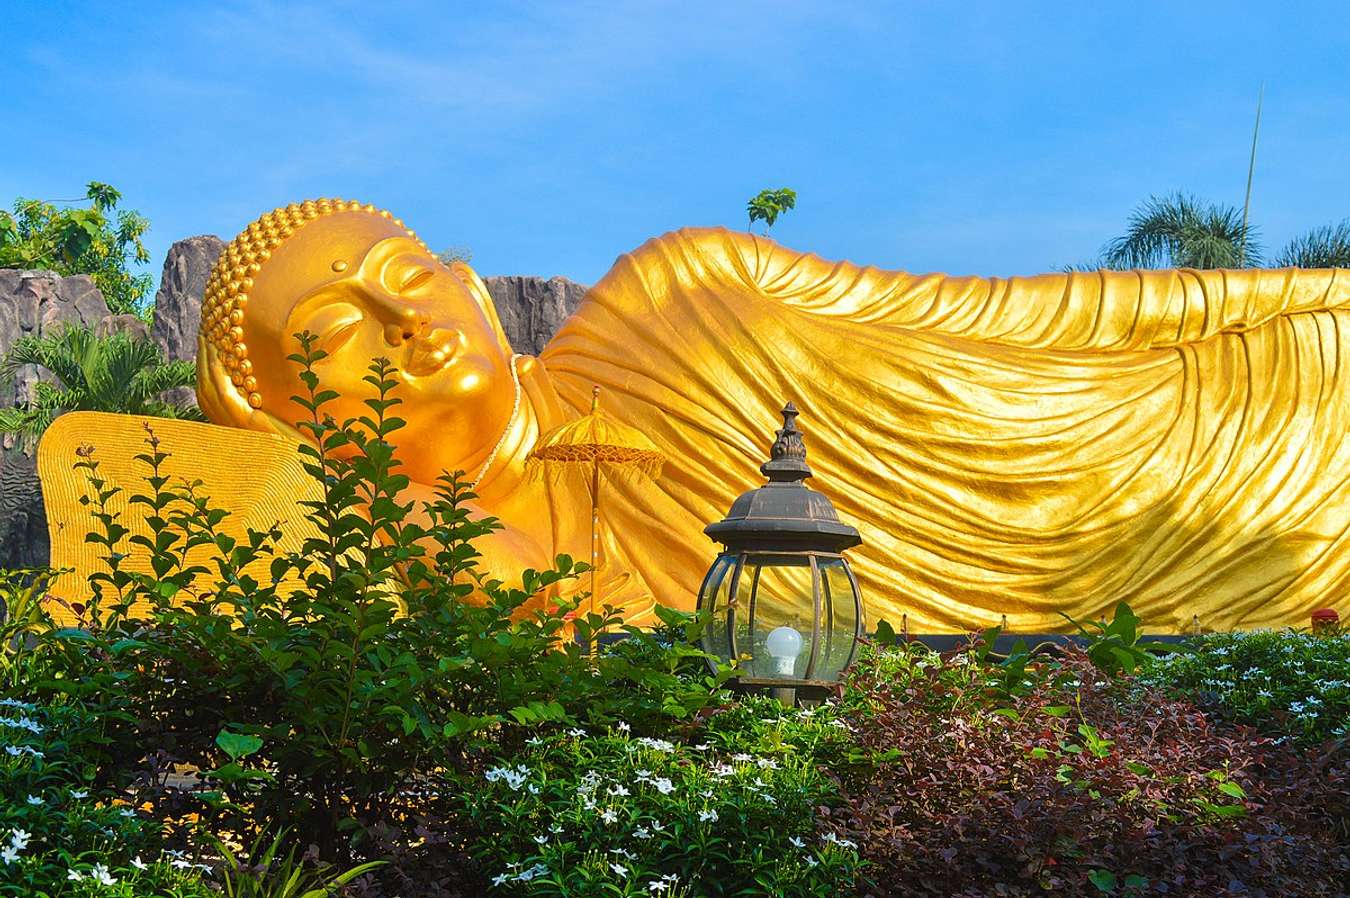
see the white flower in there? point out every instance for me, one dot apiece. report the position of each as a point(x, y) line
point(642, 833)
point(74, 875)
point(658, 827)
point(101, 875)
point(623, 853)
point(15, 703)
point(555, 829)
point(79, 794)
point(742, 757)
point(9, 854)
point(723, 770)
point(541, 840)
point(796, 842)
point(139, 864)
point(34, 800)
point(180, 864)
point(767, 764)
point(661, 745)
point(513, 776)
point(577, 733)
point(19, 838)
point(811, 860)
point(609, 816)
point(709, 816)
point(500, 879)
point(622, 727)
point(703, 746)
point(643, 774)
point(534, 740)
point(619, 869)
point(663, 785)
point(127, 812)
point(619, 790)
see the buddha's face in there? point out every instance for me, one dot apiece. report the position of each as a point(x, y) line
point(365, 290)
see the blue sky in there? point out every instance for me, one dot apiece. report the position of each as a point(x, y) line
point(974, 138)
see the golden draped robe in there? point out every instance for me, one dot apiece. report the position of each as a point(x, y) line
point(1019, 447)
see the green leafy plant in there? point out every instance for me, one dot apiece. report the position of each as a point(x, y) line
point(1117, 647)
point(321, 696)
point(97, 241)
point(268, 872)
point(116, 373)
point(767, 205)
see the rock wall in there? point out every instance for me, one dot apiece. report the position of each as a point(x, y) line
point(34, 302)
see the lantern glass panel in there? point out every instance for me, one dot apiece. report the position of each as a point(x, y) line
point(840, 621)
point(775, 609)
point(715, 597)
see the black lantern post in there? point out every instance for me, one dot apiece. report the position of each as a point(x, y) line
point(784, 601)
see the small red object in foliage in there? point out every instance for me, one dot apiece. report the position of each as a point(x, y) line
point(1325, 617)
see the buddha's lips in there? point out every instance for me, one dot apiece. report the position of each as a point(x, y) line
point(429, 356)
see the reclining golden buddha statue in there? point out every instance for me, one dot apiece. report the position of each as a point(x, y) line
point(1008, 449)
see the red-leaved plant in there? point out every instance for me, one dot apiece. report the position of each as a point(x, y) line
point(1076, 785)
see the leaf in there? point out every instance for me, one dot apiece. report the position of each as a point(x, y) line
point(1232, 789)
point(237, 745)
point(1104, 880)
point(885, 634)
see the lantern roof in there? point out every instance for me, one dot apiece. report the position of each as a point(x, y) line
point(784, 515)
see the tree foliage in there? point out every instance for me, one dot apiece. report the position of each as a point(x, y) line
point(1324, 247)
point(99, 241)
point(117, 373)
point(767, 205)
point(1181, 231)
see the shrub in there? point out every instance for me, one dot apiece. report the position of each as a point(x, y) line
point(1283, 682)
point(58, 833)
point(1081, 786)
point(323, 698)
point(610, 814)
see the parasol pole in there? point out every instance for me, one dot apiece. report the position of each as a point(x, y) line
point(595, 509)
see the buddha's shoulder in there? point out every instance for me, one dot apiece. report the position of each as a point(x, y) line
point(739, 255)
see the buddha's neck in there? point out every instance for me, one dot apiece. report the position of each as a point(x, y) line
point(538, 412)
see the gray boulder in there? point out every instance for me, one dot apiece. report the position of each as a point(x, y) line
point(178, 304)
point(533, 308)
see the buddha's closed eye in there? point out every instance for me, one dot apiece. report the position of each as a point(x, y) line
point(334, 325)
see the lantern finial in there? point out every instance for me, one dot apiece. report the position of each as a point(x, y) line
point(787, 456)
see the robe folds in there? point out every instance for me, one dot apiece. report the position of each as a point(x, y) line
point(1023, 447)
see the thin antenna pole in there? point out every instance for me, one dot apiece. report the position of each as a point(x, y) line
point(1251, 169)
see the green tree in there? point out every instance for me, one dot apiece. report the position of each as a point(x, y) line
point(117, 373)
point(767, 205)
point(1324, 247)
point(98, 241)
point(1180, 231)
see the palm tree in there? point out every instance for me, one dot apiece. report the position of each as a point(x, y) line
point(117, 373)
point(1324, 247)
point(1180, 231)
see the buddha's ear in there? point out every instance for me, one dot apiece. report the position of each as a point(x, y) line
point(223, 404)
point(479, 291)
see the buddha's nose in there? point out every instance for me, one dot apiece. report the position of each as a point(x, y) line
point(408, 323)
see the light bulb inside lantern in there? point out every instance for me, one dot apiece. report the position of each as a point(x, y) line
point(784, 644)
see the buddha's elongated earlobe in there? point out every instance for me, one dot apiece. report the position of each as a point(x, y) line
point(479, 291)
point(225, 405)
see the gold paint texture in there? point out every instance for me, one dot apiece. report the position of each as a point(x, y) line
point(1006, 447)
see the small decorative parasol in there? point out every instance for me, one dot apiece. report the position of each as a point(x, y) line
point(605, 445)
